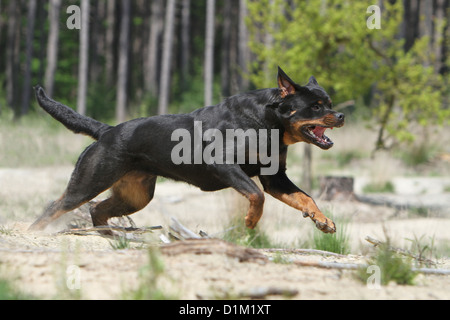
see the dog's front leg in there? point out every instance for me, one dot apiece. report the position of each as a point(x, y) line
point(280, 187)
point(233, 176)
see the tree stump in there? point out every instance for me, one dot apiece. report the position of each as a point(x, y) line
point(337, 188)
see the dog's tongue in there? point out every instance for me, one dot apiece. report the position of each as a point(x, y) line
point(318, 131)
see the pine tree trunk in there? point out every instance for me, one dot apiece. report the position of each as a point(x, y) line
point(425, 26)
point(31, 19)
point(151, 75)
point(209, 52)
point(439, 36)
point(226, 48)
point(243, 57)
point(110, 48)
point(122, 77)
point(185, 42)
point(11, 56)
point(84, 58)
point(52, 46)
point(97, 44)
point(166, 58)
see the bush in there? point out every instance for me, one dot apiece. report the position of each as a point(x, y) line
point(392, 267)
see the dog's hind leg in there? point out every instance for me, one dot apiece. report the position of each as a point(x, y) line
point(94, 173)
point(129, 195)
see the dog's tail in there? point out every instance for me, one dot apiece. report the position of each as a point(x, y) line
point(69, 118)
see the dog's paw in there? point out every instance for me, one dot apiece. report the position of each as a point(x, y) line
point(250, 223)
point(327, 227)
point(322, 223)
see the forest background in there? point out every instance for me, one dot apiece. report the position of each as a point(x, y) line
point(119, 59)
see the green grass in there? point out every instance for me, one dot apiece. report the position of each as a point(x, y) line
point(424, 248)
point(239, 234)
point(36, 141)
point(120, 243)
point(391, 266)
point(338, 242)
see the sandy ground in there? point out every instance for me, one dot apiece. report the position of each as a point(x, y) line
point(50, 265)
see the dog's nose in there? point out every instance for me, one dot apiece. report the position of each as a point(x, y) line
point(340, 116)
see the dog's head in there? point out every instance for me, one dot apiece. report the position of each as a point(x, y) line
point(305, 112)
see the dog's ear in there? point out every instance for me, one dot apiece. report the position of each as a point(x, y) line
point(312, 82)
point(285, 84)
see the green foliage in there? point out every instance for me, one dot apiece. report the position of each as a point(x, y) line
point(392, 268)
point(330, 40)
point(255, 238)
point(309, 38)
point(120, 243)
point(188, 95)
point(338, 242)
point(423, 248)
point(101, 102)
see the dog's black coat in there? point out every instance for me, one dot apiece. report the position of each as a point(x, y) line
point(129, 156)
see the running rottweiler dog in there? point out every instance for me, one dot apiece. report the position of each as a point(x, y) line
point(128, 158)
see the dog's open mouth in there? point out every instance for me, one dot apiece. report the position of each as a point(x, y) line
point(315, 135)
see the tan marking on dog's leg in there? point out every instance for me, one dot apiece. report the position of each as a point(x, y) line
point(306, 204)
point(255, 211)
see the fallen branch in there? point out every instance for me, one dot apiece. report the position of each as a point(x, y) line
point(354, 266)
point(213, 246)
point(330, 265)
point(304, 251)
point(85, 231)
point(184, 232)
point(407, 253)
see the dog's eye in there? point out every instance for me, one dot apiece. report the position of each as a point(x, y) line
point(315, 107)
